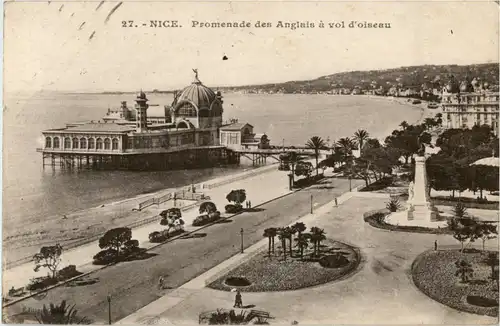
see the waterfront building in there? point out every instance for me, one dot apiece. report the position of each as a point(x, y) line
point(129, 137)
point(469, 103)
point(241, 136)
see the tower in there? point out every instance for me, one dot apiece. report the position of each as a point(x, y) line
point(142, 117)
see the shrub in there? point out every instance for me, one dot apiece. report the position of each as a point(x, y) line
point(460, 210)
point(206, 219)
point(67, 273)
point(393, 205)
point(481, 301)
point(380, 184)
point(334, 261)
point(232, 209)
point(40, 283)
point(105, 257)
point(154, 236)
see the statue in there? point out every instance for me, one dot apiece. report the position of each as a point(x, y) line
point(410, 191)
point(195, 73)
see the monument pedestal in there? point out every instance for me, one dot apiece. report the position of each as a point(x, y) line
point(419, 205)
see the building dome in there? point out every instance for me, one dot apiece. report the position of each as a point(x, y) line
point(198, 94)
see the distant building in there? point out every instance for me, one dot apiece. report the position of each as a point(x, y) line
point(468, 104)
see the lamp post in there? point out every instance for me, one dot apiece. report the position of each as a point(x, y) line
point(350, 183)
point(109, 309)
point(311, 203)
point(241, 232)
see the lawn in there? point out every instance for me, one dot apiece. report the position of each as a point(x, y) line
point(434, 274)
point(276, 274)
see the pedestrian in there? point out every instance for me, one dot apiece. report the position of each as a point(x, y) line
point(249, 204)
point(336, 203)
point(160, 283)
point(238, 302)
point(435, 245)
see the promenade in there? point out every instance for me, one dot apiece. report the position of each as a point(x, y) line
point(133, 284)
point(380, 292)
point(274, 181)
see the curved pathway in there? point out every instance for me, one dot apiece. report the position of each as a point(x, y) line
point(381, 292)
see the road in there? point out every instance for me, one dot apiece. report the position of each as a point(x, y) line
point(133, 285)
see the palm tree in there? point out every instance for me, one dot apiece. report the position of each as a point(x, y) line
point(292, 158)
point(317, 235)
point(273, 232)
point(60, 315)
point(268, 234)
point(361, 136)
point(299, 227)
point(316, 143)
point(290, 232)
point(464, 270)
point(301, 243)
point(346, 146)
point(282, 235)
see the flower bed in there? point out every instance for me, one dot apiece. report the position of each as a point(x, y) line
point(377, 220)
point(275, 274)
point(434, 274)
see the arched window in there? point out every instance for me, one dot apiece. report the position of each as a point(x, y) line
point(187, 110)
point(107, 143)
point(56, 142)
point(83, 143)
point(91, 143)
point(182, 125)
point(115, 143)
point(67, 142)
point(48, 142)
point(75, 142)
point(99, 143)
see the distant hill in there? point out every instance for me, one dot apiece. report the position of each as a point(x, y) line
point(427, 77)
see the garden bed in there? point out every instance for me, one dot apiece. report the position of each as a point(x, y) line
point(377, 220)
point(467, 202)
point(434, 274)
point(265, 274)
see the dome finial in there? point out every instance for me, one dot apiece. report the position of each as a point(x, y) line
point(196, 80)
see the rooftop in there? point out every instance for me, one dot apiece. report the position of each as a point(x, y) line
point(235, 126)
point(103, 127)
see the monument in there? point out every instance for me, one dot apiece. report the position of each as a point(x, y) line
point(419, 206)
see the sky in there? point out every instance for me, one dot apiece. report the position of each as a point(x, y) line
point(73, 46)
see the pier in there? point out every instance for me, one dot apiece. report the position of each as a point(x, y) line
point(147, 159)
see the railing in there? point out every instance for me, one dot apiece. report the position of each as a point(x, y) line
point(239, 177)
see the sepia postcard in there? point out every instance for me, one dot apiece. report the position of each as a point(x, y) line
point(238, 162)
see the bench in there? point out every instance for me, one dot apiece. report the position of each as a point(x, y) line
point(259, 314)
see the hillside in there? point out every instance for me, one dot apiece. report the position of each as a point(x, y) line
point(419, 77)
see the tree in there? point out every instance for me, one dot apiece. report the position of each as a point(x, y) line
point(301, 243)
point(361, 137)
point(299, 227)
point(268, 233)
point(404, 125)
point(283, 236)
point(207, 207)
point(59, 315)
point(317, 235)
point(115, 239)
point(303, 169)
point(49, 257)
point(463, 227)
point(492, 261)
point(172, 213)
point(237, 196)
point(346, 146)
point(487, 231)
point(291, 159)
point(273, 232)
point(464, 270)
point(316, 143)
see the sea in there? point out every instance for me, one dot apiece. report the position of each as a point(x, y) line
point(32, 192)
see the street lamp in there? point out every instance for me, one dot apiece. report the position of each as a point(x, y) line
point(241, 232)
point(350, 183)
point(109, 309)
point(311, 203)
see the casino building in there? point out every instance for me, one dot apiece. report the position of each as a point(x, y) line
point(184, 134)
point(470, 103)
